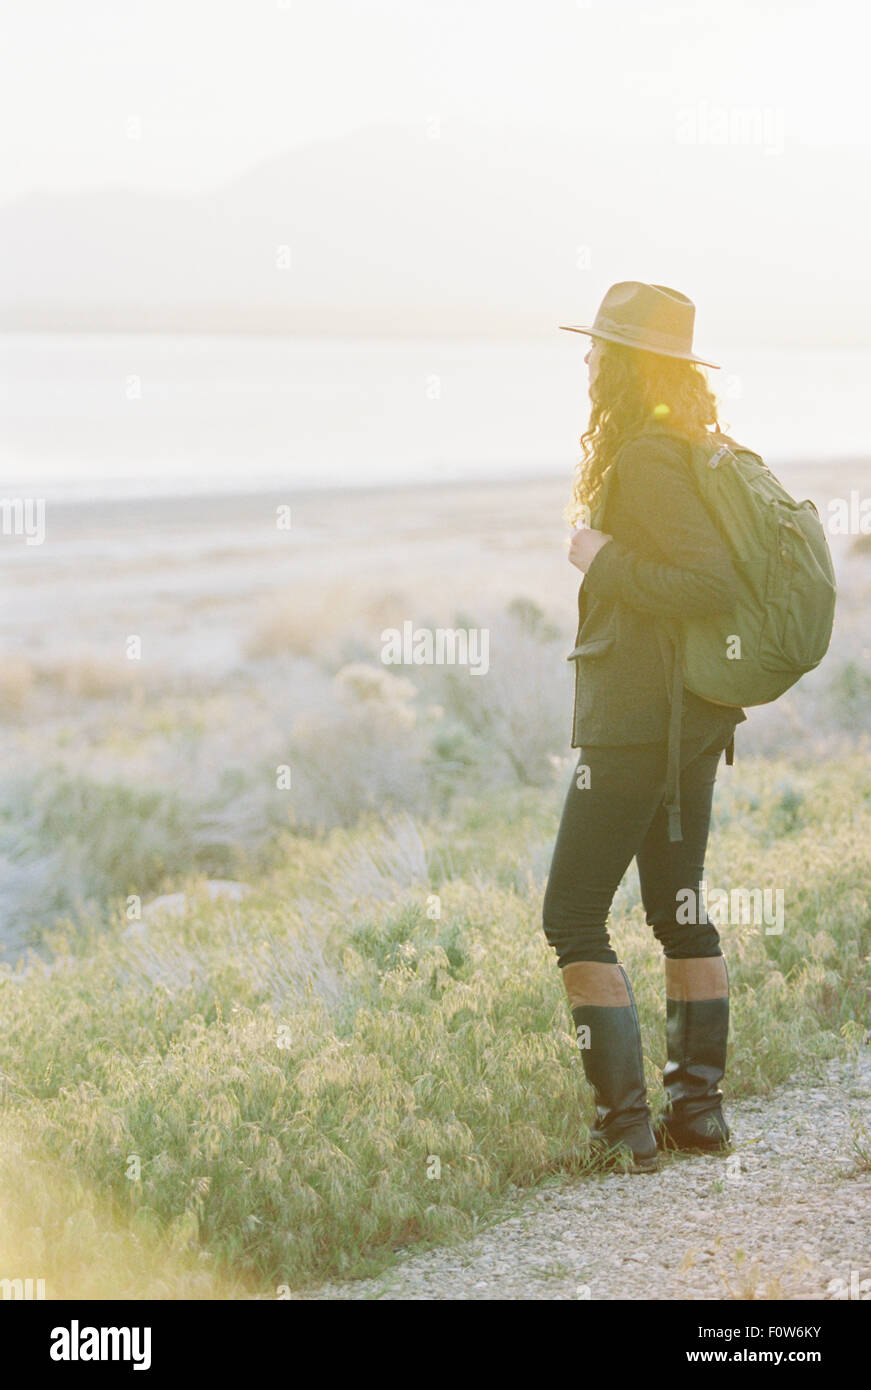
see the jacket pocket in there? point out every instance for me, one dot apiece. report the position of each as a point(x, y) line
point(588, 690)
point(594, 646)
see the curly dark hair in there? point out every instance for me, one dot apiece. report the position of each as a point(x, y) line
point(631, 390)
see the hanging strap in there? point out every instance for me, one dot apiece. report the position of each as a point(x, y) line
point(730, 752)
point(672, 659)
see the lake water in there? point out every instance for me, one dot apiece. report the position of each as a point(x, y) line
point(101, 416)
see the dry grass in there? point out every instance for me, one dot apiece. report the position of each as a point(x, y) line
point(16, 684)
point(319, 622)
point(286, 1067)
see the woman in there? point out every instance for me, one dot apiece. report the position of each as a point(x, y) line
point(651, 556)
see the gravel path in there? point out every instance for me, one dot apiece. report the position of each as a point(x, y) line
point(788, 1213)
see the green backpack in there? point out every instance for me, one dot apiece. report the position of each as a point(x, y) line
point(782, 624)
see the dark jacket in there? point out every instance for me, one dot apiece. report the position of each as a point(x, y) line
point(667, 560)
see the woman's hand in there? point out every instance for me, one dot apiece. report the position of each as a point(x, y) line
point(584, 545)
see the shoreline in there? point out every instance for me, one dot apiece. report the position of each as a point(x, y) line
point(196, 573)
point(297, 491)
point(799, 470)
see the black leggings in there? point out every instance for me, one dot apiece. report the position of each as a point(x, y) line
point(620, 815)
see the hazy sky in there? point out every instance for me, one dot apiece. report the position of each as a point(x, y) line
point(218, 85)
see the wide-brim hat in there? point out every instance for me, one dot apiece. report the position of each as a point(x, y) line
point(652, 318)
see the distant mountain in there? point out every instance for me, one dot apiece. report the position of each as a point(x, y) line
point(388, 231)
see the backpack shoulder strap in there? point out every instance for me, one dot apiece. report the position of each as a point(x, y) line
point(672, 660)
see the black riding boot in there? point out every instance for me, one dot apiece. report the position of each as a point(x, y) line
point(606, 1022)
point(697, 1029)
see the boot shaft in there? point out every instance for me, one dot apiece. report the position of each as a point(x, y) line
point(609, 1040)
point(697, 1031)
